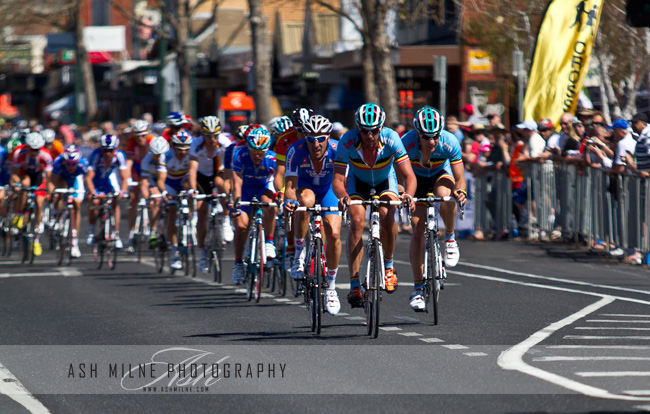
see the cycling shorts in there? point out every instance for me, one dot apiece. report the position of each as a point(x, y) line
point(36, 179)
point(173, 187)
point(427, 184)
point(327, 198)
point(204, 183)
point(359, 190)
point(108, 185)
point(247, 195)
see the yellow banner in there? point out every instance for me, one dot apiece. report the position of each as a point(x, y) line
point(561, 58)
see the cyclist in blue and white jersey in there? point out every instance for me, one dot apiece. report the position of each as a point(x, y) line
point(176, 180)
point(103, 166)
point(308, 179)
point(206, 165)
point(253, 172)
point(374, 154)
point(152, 178)
point(437, 161)
point(68, 172)
point(5, 173)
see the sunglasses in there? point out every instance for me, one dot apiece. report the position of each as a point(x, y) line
point(373, 131)
point(108, 150)
point(320, 139)
point(429, 137)
point(257, 152)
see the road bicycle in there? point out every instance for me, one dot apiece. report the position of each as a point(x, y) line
point(434, 274)
point(279, 274)
point(186, 233)
point(373, 280)
point(29, 224)
point(7, 229)
point(214, 242)
point(315, 281)
point(104, 248)
point(62, 231)
point(49, 222)
point(255, 251)
point(158, 242)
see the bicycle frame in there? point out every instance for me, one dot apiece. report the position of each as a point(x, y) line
point(63, 234)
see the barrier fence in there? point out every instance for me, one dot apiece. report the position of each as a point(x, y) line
point(578, 203)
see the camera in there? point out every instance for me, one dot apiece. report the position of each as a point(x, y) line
point(590, 141)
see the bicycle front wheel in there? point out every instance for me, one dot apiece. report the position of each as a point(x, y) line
point(261, 253)
point(316, 300)
point(111, 250)
point(373, 290)
point(435, 266)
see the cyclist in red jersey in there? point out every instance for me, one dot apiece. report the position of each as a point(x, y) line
point(136, 149)
point(291, 135)
point(32, 166)
point(175, 122)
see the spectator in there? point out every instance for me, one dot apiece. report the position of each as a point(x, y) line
point(500, 156)
point(453, 126)
point(493, 120)
point(534, 143)
point(399, 128)
point(472, 117)
point(641, 132)
point(547, 131)
point(338, 130)
point(625, 146)
point(598, 154)
point(482, 144)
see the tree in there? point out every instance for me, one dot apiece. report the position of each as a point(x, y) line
point(261, 62)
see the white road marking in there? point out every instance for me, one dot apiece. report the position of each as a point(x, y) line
point(30, 274)
point(589, 358)
point(594, 328)
point(642, 407)
point(473, 354)
point(409, 333)
point(615, 321)
point(355, 318)
point(14, 389)
point(282, 300)
point(624, 315)
point(70, 271)
point(267, 295)
point(554, 279)
point(638, 392)
point(633, 347)
point(614, 374)
point(390, 328)
point(455, 346)
point(294, 303)
point(342, 314)
point(431, 340)
point(587, 337)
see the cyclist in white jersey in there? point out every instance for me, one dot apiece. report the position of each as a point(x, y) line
point(178, 167)
point(152, 178)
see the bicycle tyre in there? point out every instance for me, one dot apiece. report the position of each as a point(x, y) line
point(250, 273)
point(111, 254)
point(316, 283)
point(67, 226)
point(31, 237)
point(281, 279)
point(259, 270)
point(435, 263)
point(159, 252)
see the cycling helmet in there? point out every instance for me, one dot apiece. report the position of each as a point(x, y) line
point(48, 135)
point(211, 125)
point(158, 145)
point(140, 127)
point(317, 124)
point(109, 141)
point(241, 131)
point(176, 119)
point(258, 139)
point(428, 121)
point(72, 154)
point(370, 116)
point(182, 139)
point(282, 124)
point(13, 143)
point(300, 115)
point(34, 140)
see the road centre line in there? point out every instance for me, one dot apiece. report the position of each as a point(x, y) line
point(624, 315)
point(615, 321)
point(627, 347)
point(554, 279)
point(589, 358)
point(512, 358)
point(599, 328)
point(614, 374)
point(642, 338)
point(14, 389)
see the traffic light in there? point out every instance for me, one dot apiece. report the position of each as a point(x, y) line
point(638, 13)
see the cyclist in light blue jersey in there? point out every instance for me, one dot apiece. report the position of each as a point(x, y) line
point(438, 165)
point(253, 172)
point(68, 171)
point(308, 179)
point(373, 153)
point(103, 166)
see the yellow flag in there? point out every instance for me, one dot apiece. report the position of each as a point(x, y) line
point(561, 58)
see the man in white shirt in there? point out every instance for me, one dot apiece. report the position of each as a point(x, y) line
point(625, 144)
point(535, 144)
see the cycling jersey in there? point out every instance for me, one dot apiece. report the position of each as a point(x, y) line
point(391, 151)
point(59, 168)
point(56, 150)
point(299, 165)
point(29, 165)
point(285, 140)
point(151, 167)
point(134, 152)
point(177, 171)
point(4, 166)
point(446, 154)
point(230, 152)
point(97, 164)
point(209, 163)
point(255, 179)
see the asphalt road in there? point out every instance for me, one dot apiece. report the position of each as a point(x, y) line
point(523, 328)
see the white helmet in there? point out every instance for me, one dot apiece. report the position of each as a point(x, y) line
point(34, 140)
point(140, 126)
point(48, 135)
point(158, 145)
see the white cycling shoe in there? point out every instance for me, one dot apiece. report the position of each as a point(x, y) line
point(452, 254)
point(333, 305)
point(298, 269)
point(74, 250)
point(228, 232)
point(270, 250)
point(417, 300)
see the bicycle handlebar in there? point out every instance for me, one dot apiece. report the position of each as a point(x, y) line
point(65, 190)
point(369, 202)
point(256, 204)
point(435, 199)
point(316, 208)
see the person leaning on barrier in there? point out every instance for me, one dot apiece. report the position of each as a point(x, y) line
point(625, 146)
point(597, 153)
point(641, 133)
point(500, 155)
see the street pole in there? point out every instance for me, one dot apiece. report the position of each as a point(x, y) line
point(440, 76)
point(518, 71)
point(162, 52)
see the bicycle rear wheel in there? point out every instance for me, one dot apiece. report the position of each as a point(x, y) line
point(261, 252)
point(111, 250)
point(373, 290)
point(316, 299)
point(159, 252)
point(435, 263)
point(216, 249)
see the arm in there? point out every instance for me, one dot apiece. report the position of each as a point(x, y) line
point(162, 177)
point(194, 167)
point(237, 183)
point(338, 183)
point(88, 181)
point(278, 180)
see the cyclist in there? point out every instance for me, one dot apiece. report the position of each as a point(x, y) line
point(374, 154)
point(310, 169)
point(5, 173)
point(137, 147)
point(206, 161)
point(285, 140)
point(68, 172)
point(32, 166)
point(176, 122)
point(437, 161)
point(152, 179)
point(103, 164)
point(253, 167)
point(51, 144)
point(278, 127)
point(176, 179)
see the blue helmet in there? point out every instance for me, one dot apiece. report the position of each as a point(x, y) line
point(109, 141)
point(428, 121)
point(258, 139)
point(182, 139)
point(175, 119)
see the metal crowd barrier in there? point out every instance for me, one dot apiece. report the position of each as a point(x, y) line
point(580, 203)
